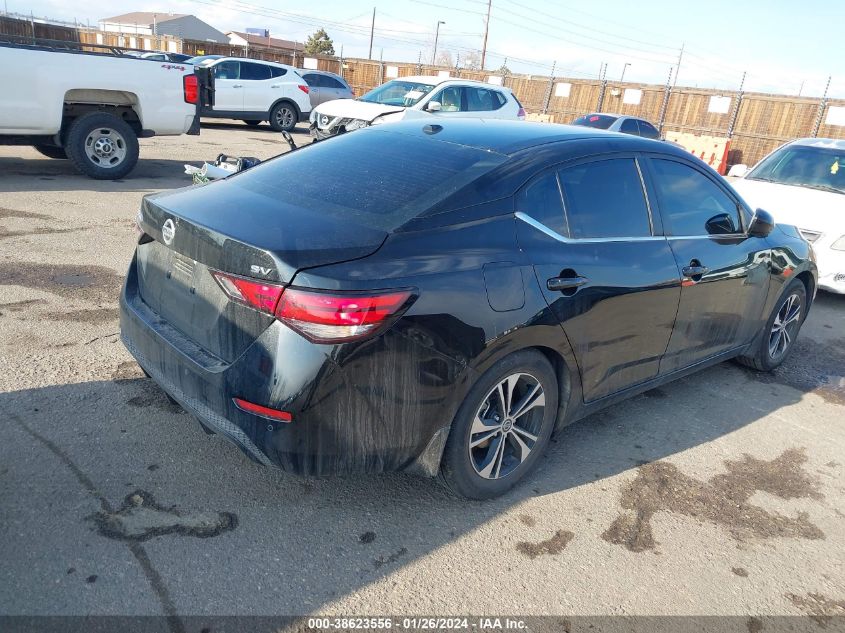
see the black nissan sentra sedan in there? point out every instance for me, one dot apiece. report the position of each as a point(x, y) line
point(441, 298)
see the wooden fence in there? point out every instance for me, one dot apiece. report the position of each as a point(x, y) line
point(755, 123)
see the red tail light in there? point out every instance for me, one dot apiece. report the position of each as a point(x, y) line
point(303, 88)
point(330, 318)
point(191, 85)
point(521, 113)
point(256, 294)
point(265, 412)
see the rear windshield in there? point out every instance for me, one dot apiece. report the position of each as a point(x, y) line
point(600, 121)
point(372, 177)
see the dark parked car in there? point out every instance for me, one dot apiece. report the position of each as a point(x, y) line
point(440, 298)
point(618, 123)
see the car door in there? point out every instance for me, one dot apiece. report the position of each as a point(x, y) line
point(256, 80)
point(228, 88)
point(487, 103)
point(335, 89)
point(452, 103)
point(725, 273)
point(608, 275)
point(629, 126)
point(315, 88)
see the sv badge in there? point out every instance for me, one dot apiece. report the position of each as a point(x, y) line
point(259, 270)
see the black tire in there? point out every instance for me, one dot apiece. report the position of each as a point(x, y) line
point(765, 357)
point(284, 116)
point(252, 122)
point(102, 146)
point(51, 151)
point(462, 466)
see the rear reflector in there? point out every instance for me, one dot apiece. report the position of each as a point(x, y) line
point(521, 113)
point(256, 294)
point(190, 83)
point(332, 318)
point(264, 412)
point(303, 88)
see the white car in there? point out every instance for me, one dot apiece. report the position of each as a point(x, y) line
point(803, 183)
point(418, 96)
point(256, 91)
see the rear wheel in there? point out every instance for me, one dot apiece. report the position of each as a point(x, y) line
point(283, 117)
point(102, 145)
point(781, 330)
point(502, 427)
point(252, 122)
point(51, 151)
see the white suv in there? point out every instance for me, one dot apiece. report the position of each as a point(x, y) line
point(256, 91)
point(411, 97)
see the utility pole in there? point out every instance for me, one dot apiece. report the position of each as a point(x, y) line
point(372, 30)
point(549, 89)
point(624, 68)
point(801, 89)
point(486, 31)
point(735, 113)
point(665, 104)
point(822, 107)
point(436, 37)
point(678, 67)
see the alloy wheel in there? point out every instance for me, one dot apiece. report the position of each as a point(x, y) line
point(785, 327)
point(284, 117)
point(105, 147)
point(506, 426)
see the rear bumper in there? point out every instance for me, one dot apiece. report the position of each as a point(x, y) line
point(367, 417)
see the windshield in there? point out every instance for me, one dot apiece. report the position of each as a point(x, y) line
point(398, 93)
point(803, 166)
point(600, 121)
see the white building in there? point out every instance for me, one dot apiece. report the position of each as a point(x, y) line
point(178, 25)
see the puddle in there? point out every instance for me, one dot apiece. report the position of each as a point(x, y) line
point(723, 499)
point(140, 518)
point(812, 368)
point(95, 284)
point(554, 545)
point(821, 609)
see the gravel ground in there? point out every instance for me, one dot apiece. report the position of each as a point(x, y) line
point(722, 493)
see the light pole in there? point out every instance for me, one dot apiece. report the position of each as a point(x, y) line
point(624, 68)
point(436, 36)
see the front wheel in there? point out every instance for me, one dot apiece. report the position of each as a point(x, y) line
point(102, 145)
point(781, 330)
point(502, 427)
point(284, 117)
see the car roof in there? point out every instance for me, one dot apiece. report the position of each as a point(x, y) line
point(256, 61)
point(504, 136)
point(830, 143)
point(432, 79)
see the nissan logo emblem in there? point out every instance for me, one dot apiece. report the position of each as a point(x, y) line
point(168, 230)
point(324, 120)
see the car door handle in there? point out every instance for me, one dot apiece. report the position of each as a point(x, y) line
point(695, 271)
point(565, 283)
point(237, 85)
point(276, 86)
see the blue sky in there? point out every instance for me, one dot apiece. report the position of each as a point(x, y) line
point(780, 44)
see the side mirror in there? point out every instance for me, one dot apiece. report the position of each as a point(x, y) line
point(738, 171)
point(721, 224)
point(434, 106)
point(761, 224)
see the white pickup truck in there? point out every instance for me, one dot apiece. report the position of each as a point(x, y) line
point(91, 107)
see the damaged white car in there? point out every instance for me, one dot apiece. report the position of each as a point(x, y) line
point(419, 96)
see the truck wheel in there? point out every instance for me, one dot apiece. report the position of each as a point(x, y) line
point(284, 117)
point(102, 146)
point(51, 151)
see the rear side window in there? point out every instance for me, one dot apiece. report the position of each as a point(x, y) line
point(227, 70)
point(482, 99)
point(541, 199)
point(629, 126)
point(331, 82)
point(275, 71)
point(647, 130)
point(605, 199)
point(691, 203)
point(600, 121)
point(254, 72)
point(375, 178)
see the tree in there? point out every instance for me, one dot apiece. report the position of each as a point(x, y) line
point(319, 44)
point(472, 60)
point(444, 58)
point(504, 71)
